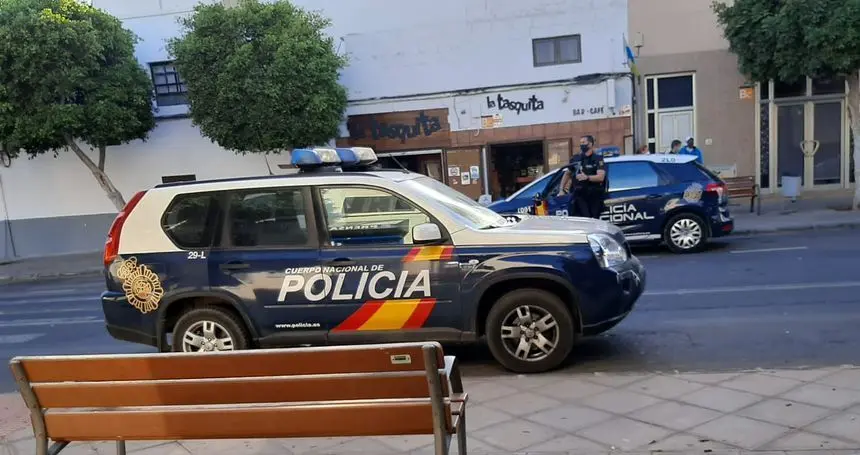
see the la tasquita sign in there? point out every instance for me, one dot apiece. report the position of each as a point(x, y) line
point(401, 130)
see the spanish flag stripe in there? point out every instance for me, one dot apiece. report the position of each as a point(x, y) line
point(420, 315)
point(412, 254)
point(357, 319)
point(447, 253)
point(392, 315)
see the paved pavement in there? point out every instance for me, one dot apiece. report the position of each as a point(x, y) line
point(562, 413)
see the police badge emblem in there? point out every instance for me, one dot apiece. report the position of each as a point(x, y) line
point(693, 193)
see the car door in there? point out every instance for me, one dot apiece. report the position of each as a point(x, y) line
point(268, 253)
point(634, 198)
point(384, 286)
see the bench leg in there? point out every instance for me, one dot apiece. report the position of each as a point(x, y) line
point(461, 432)
point(752, 204)
point(120, 448)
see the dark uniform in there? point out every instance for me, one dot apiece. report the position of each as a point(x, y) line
point(588, 196)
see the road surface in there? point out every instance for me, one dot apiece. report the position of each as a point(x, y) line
point(785, 300)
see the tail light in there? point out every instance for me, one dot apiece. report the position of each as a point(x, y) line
point(720, 189)
point(112, 242)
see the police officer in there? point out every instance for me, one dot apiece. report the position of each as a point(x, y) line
point(589, 181)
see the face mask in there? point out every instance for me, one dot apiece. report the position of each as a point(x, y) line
point(583, 147)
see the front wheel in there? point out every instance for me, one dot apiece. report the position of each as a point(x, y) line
point(685, 233)
point(530, 331)
point(209, 330)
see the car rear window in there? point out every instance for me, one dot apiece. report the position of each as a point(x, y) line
point(187, 220)
point(688, 172)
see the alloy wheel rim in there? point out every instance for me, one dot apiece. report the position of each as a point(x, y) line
point(530, 333)
point(207, 336)
point(685, 233)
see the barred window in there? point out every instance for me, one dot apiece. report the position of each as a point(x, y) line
point(169, 87)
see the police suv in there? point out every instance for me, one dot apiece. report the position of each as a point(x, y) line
point(341, 254)
point(652, 198)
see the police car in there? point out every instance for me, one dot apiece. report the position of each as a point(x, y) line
point(341, 254)
point(652, 198)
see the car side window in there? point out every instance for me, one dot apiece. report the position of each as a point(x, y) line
point(269, 217)
point(357, 215)
point(189, 220)
point(685, 172)
point(632, 175)
point(537, 187)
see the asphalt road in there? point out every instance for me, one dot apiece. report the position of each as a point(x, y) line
point(787, 300)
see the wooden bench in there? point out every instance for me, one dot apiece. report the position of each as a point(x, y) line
point(365, 390)
point(744, 187)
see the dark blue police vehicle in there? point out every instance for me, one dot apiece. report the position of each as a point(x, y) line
point(341, 254)
point(652, 198)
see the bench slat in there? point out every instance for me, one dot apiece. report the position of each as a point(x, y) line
point(282, 389)
point(259, 363)
point(371, 419)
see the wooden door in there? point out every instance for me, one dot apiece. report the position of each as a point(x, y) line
point(461, 172)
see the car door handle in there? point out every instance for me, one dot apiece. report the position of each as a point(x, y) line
point(655, 196)
point(233, 266)
point(341, 262)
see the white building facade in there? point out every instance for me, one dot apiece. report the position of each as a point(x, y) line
point(484, 96)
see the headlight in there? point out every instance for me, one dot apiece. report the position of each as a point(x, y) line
point(607, 250)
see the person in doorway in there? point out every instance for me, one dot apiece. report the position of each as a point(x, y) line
point(691, 149)
point(676, 147)
point(644, 150)
point(589, 178)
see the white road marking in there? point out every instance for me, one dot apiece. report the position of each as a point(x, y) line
point(51, 322)
point(758, 288)
point(769, 250)
point(19, 338)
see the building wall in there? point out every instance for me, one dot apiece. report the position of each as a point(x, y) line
point(679, 36)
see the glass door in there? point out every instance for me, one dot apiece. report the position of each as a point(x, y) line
point(827, 130)
point(790, 127)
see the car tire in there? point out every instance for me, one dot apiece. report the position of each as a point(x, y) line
point(685, 233)
point(541, 305)
point(206, 323)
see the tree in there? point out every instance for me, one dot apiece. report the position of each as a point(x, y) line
point(790, 39)
point(68, 76)
point(261, 77)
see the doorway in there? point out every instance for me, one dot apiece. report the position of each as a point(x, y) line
point(513, 166)
point(427, 162)
point(807, 125)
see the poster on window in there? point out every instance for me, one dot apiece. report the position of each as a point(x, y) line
point(475, 172)
point(453, 171)
point(464, 178)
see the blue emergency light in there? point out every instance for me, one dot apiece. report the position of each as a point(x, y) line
point(337, 159)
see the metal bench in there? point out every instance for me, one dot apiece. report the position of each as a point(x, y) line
point(366, 390)
point(744, 187)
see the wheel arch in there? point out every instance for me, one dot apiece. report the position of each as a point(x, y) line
point(555, 285)
point(174, 308)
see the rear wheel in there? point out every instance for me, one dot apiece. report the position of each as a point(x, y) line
point(209, 330)
point(685, 233)
point(530, 331)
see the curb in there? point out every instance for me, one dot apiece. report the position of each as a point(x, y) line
point(814, 227)
point(6, 279)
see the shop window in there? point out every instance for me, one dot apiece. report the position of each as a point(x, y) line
point(559, 50)
point(170, 89)
point(649, 87)
point(764, 152)
point(676, 91)
point(764, 90)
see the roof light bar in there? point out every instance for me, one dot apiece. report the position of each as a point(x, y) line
point(353, 158)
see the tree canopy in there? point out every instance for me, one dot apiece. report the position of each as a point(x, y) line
point(67, 75)
point(790, 39)
point(261, 77)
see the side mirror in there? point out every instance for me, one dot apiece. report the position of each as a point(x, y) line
point(426, 233)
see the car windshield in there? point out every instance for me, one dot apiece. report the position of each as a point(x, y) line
point(477, 215)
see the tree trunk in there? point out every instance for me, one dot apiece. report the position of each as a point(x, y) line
point(854, 117)
point(98, 172)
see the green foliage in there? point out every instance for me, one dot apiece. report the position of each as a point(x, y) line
point(261, 77)
point(67, 71)
point(790, 39)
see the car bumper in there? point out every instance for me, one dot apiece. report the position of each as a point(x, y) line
point(124, 322)
point(722, 223)
point(617, 298)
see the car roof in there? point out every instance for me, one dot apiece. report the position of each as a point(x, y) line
point(317, 178)
point(655, 158)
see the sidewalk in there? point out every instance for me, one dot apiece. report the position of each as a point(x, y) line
point(564, 413)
